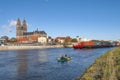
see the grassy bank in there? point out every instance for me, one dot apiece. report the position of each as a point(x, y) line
point(107, 67)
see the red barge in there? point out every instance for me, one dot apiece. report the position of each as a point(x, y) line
point(93, 44)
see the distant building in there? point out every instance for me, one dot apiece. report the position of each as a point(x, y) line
point(42, 39)
point(23, 36)
point(77, 38)
point(118, 40)
point(5, 37)
point(2, 41)
point(60, 39)
point(83, 39)
point(50, 39)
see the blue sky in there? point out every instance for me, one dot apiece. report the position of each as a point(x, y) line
point(93, 19)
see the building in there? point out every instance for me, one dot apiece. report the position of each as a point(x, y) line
point(83, 39)
point(60, 39)
point(28, 37)
point(2, 41)
point(77, 38)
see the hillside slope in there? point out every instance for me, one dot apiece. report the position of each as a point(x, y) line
point(107, 67)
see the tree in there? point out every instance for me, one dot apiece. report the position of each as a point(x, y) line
point(5, 38)
point(74, 40)
point(13, 39)
point(67, 40)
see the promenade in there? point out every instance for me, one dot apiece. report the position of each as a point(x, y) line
point(2, 48)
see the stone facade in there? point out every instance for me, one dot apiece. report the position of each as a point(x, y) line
point(23, 36)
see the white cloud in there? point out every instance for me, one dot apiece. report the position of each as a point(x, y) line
point(12, 23)
point(9, 28)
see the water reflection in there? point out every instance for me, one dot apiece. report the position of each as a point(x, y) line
point(42, 64)
point(42, 56)
point(22, 68)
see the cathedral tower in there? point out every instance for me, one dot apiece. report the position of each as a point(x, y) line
point(18, 27)
point(21, 28)
point(24, 26)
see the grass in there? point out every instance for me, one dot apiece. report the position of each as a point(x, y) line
point(106, 67)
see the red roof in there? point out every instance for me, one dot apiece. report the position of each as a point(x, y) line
point(33, 38)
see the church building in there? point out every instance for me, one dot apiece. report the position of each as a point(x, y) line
point(28, 37)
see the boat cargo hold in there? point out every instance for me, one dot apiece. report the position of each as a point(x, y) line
point(95, 44)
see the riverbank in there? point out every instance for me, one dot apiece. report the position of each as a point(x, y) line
point(2, 48)
point(107, 67)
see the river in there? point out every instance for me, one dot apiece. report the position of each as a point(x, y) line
point(41, 64)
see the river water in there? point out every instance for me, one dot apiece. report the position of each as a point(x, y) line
point(42, 64)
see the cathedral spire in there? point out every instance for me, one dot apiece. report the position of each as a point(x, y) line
point(18, 22)
point(24, 25)
point(18, 27)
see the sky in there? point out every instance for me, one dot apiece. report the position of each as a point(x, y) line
point(92, 19)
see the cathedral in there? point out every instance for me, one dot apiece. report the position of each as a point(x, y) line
point(27, 37)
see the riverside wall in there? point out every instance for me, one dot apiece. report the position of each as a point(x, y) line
point(2, 48)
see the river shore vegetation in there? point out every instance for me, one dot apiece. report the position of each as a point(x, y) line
point(106, 67)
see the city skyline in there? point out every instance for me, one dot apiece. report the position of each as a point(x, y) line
point(93, 19)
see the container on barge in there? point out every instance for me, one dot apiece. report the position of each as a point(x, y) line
point(93, 44)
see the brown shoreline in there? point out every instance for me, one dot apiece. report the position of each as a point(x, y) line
point(4, 48)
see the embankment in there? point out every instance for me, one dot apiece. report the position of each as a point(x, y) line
point(107, 67)
point(2, 48)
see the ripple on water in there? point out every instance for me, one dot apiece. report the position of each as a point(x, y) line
point(42, 64)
